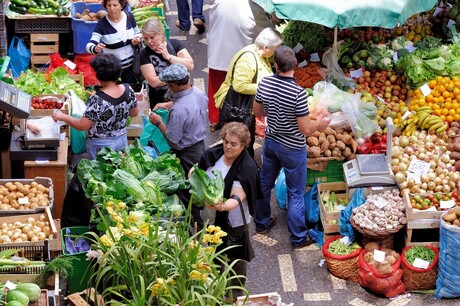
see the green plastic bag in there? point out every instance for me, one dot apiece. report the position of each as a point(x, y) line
point(77, 138)
point(151, 132)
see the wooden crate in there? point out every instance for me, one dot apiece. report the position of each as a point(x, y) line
point(418, 220)
point(330, 220)
point(23, 218)
point(41, 46)
point(85, 298)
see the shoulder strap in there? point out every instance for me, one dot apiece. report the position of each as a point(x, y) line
point(240, 204)
point(254, 79)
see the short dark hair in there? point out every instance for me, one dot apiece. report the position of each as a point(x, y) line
point(123, 3)
point(107, 67)
point(184, 81)
point(285, 58)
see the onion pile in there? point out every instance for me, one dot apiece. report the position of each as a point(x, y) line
point(432, 149)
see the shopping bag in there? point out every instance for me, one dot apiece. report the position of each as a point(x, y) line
point(311, 204)
point(19, 55)
point(281, 190)
point(153, 134)
point(77, 138)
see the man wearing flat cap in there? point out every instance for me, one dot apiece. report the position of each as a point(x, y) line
point(187, 122)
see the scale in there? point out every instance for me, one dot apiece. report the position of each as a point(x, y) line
point(27, 145)
point(369, 170)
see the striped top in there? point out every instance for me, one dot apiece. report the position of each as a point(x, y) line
point(283, 101)
point(117, 37)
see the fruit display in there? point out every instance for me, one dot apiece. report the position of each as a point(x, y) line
point(422, 119)
point(47, 102)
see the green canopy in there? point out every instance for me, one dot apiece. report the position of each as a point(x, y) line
point(348, 13)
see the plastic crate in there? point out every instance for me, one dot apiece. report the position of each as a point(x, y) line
point(333, 173)
point(160, 13)
point(83, 29)
point(78, 280)
point(33, 253)
point(42, 25)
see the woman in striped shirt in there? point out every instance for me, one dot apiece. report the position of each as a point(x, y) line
point(116, 33)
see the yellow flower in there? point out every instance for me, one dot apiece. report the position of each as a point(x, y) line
point(195, 275)
point(121, 206)
point(204, 277)
point(207, 238)
point(209, 249)
point(110, 210)
point(106, 240)
point(109, 204)
point(117, 218)
point(216, 240)
point(171, 281)
point(157, 286)
point(212, 228)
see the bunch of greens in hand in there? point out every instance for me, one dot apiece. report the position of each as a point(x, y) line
point(204, 189)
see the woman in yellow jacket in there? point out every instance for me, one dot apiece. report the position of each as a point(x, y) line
point(255, 56)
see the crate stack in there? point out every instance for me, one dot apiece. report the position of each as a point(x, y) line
point(3, 39)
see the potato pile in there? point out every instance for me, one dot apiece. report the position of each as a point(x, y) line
point(31, 230)
point(18, 196)
point(384, 267)
point(88, 16)
point(331, 143)
point(452, 217)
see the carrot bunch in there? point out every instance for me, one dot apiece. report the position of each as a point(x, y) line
point(308, 75)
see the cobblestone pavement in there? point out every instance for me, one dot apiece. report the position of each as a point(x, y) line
point(297, 275)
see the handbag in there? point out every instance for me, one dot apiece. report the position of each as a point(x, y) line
point(237, 106)
point(238, 238)
point(136, 56)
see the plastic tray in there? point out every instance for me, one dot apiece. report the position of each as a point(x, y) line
point(45, 181)
point(333, 173)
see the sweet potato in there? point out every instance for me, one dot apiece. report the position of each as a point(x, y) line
point(324, 146)
point(314, 152)
point(346, 138)
point(341, 145)
point(449, 217)
point(330, 138)
point(329, 131)
point(321, 137)
point(327, 153)
point(336, 152)
point(346, 152)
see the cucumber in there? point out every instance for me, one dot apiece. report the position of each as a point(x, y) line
point(39, 11)
point(18, 9)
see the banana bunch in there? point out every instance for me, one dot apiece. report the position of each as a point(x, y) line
point(430, 122)
point(409, 124)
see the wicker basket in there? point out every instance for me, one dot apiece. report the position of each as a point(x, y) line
point(385, 239)
point(419, 279)
point(344, 267)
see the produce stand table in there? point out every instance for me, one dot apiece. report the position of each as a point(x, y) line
point(56, 170)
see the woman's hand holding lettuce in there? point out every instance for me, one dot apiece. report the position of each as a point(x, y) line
point(204, 189)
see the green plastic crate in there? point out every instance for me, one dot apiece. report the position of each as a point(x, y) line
point(160, 13)
point(78, 280)
point(333, 173)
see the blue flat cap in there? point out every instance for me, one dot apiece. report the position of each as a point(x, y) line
point(174, 72)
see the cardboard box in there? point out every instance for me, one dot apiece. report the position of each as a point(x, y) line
point(265, 299)
point(85, 298)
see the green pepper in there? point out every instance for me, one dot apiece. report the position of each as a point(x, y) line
point(345, 60)
point(40, 11)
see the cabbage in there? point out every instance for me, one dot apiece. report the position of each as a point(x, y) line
point(132, 185)
point(205, 190)
point(130, 164)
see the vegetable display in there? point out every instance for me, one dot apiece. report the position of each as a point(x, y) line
point(452, 217)
point(331, 143)
point(421, 252)
point(18, 196)
point(385, 266)
point(204, 189)
point(41, 7)
point(32, 230)
point(331, 201)
point(136, 179)
point(381, 212)
point(142, 14)
point(337, 247)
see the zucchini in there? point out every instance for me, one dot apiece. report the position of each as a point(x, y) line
point(23, 3)
point(53, 3)
point(18, 9)
point(40, 11)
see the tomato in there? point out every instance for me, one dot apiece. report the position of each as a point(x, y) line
point(454, 195)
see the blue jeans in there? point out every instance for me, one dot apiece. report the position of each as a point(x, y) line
point(95, 145)
point(183, 12)
point(294, 162)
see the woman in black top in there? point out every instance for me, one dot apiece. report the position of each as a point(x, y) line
point(159, 54)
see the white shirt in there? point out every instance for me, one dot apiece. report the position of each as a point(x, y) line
point(232, 26)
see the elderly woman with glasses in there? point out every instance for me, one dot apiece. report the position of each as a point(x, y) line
point(159, 54)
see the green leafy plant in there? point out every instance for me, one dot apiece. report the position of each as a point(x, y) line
point(204, 189)
point(60, 265)
point(143, 261)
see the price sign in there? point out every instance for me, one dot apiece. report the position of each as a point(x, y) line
point(380, 99)
point(415, 176)
point(421, 264)
point(297, 47)
point(426, 90)
point(395, 57)
point(24, 200)
point(446, 204)
point(437, 11)
point(418, 166)
point(410, 48)
point(303, 63)
point(450, 23)
point(10, 286)
point(314, 57)
point(380, 203)
point(70, 64)
point(356, 73)
point(379, 255)
point(406, 115)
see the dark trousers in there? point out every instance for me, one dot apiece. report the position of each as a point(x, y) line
point(252, 130)
point(189, 157)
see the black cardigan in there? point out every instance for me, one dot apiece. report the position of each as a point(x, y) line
point(244, 170)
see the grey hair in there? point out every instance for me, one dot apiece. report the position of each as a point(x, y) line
point(153, 27)
point(268, 38)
